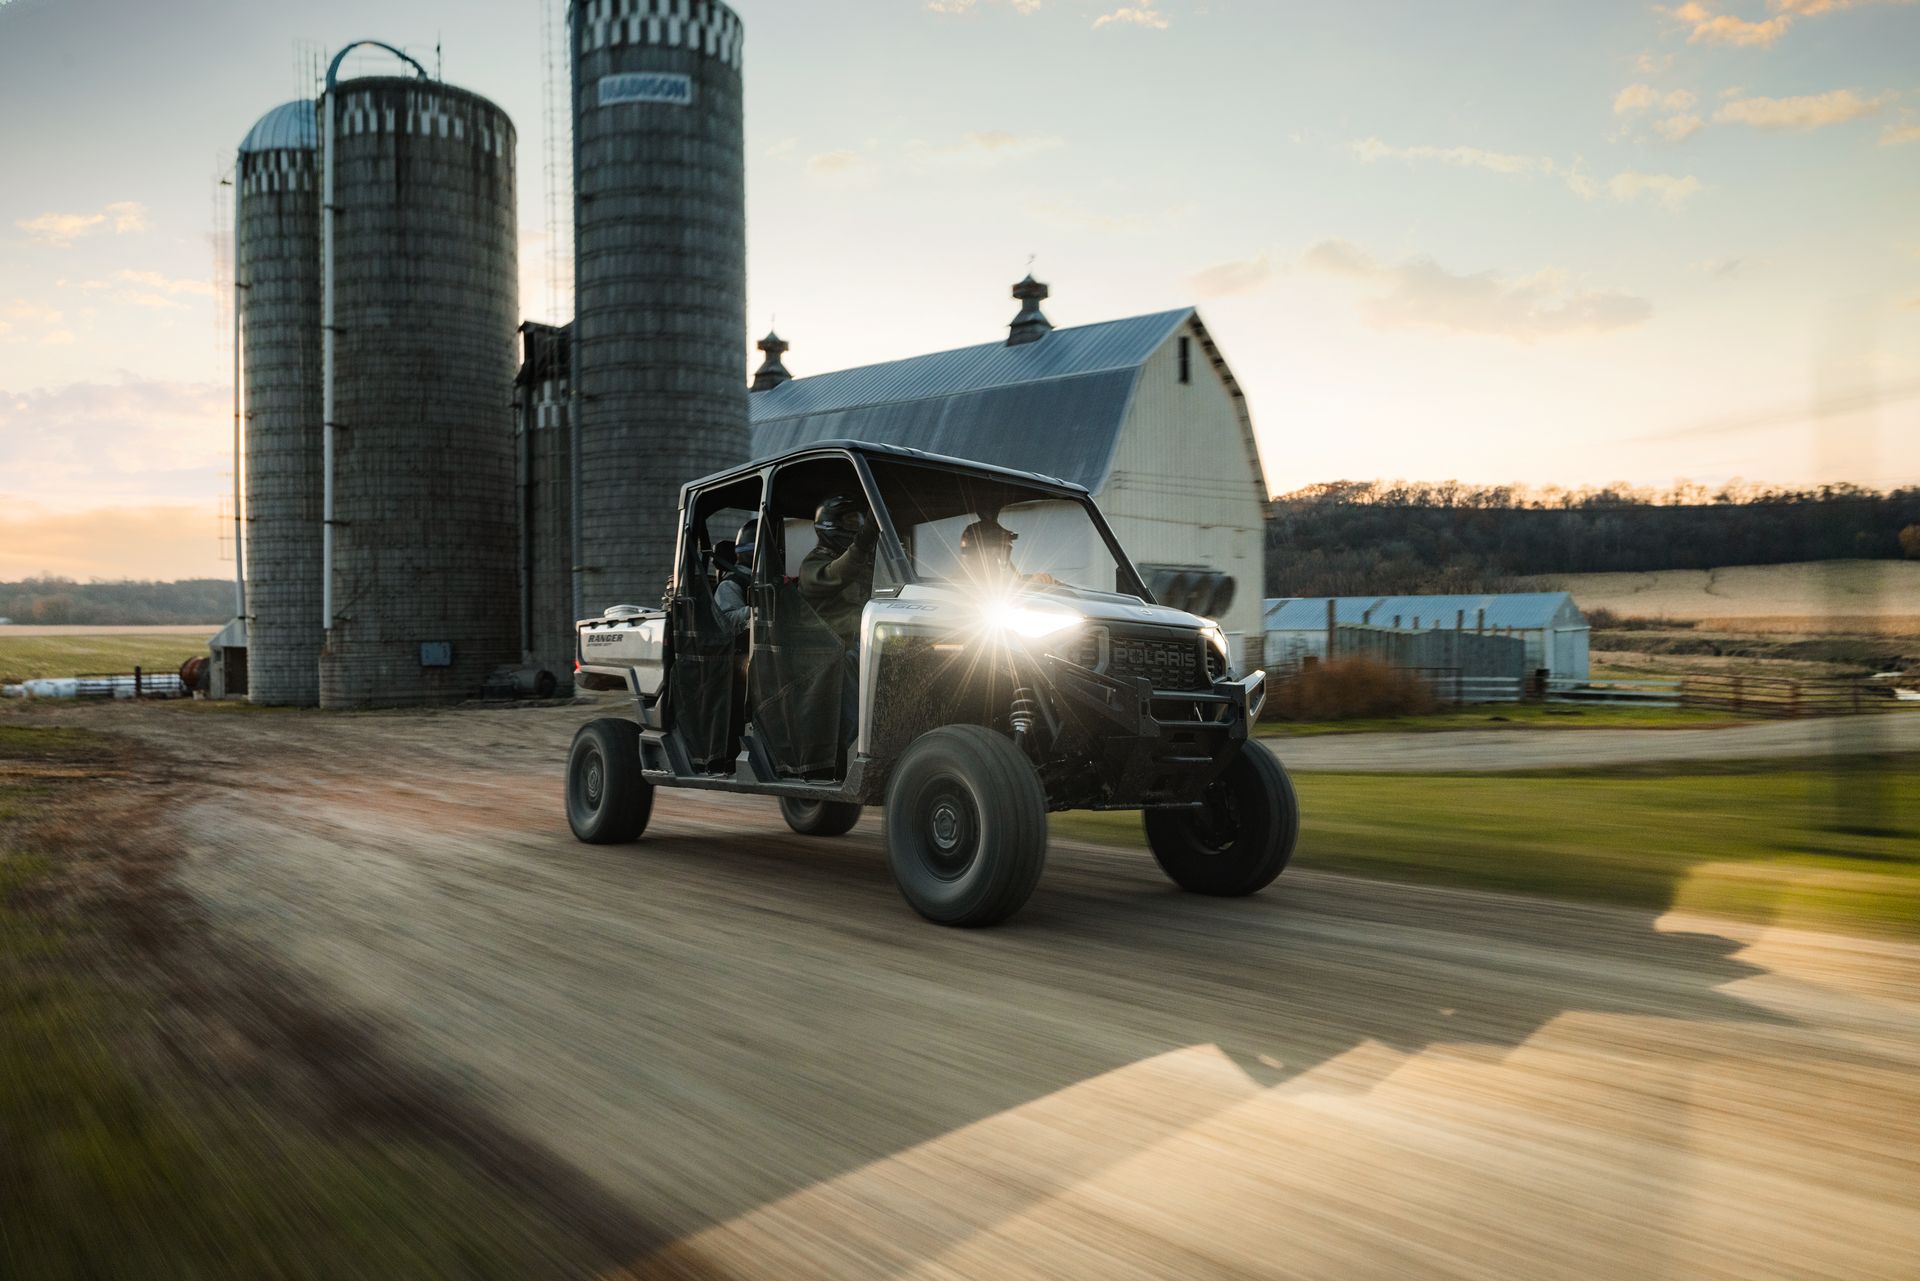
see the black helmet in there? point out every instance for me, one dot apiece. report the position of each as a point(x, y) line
point(839, 520)
point(987, 540)
point(744, 540)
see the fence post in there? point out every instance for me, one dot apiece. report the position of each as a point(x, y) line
point(136, 680)
point(1333, 638)
point(1480, 621)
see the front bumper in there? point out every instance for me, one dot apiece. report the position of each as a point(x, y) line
point(1142, 746)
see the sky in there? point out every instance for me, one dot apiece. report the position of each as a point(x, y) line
point(1547, 242)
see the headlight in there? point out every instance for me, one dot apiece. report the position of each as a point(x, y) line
point(1023, 620)
point(1215, 637)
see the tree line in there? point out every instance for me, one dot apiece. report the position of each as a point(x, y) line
point(125, 603)
point(1348, 538)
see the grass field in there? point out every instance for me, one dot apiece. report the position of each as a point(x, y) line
point(30, 657)
point(1849, 590)
point(1752, 842)
point(1543, 716)
point(133, 1147)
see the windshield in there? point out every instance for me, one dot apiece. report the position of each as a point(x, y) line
point(989, 532)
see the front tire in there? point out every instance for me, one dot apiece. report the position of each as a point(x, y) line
point(819, 818)
point(1240, 838)
point(966, 826)
point(608, 802)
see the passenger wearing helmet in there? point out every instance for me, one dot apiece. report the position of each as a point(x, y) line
point(986, 552)
point(836, 578)
point(735, 562)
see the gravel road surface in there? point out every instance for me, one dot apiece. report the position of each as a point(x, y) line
point(748, 1039)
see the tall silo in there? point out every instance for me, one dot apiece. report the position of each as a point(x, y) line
point(419, 266)
point(659, 278)
point(277, 266)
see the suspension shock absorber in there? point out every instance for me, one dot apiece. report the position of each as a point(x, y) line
point(1024, 712)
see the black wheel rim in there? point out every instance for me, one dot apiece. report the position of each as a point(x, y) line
point(590, 788)
point(1217, 822)
point(949, 829)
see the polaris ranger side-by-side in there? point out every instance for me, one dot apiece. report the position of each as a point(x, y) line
point(966, 645)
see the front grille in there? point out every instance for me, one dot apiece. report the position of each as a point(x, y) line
point(1170, 662)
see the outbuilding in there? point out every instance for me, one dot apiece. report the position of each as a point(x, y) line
point(1142, 411)
point(1550, 623)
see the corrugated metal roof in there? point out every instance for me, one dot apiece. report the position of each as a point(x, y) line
point(1524, 610)
point(289, 126)
point(1053, 406)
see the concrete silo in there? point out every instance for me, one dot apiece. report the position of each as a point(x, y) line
point(659, 334)
point(419, 317)
point(277, 265)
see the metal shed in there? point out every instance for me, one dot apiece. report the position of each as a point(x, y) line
point(1550, 623)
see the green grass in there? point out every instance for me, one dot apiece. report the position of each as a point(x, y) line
point(117, 1160)
point(1515, 716)
point(31, 657)
point(1750, 842)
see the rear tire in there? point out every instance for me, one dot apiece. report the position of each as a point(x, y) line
point(608, 802)
point(1240, 839)
point(820, 818)
point(966, 826)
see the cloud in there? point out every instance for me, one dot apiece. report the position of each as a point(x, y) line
point(829, 164)
point(60, 230)
point(1137, 16)
point(1648, 63)
point(1718, 268)
point(984, 147)
point(1644, 97)
point(1894, 135)
point(1678, 128)
point(968, 6)
point(1075, 217)
point(1724, 28)
point(1813, 111)
point(1419, 293)
point(166, 284)
point(1227, 278)
point(1372, 149)
point(135, 439)
point(1703, 24)
point(1669, 190)
point(1625, 187)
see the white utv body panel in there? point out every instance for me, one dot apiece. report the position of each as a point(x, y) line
point(625, 648)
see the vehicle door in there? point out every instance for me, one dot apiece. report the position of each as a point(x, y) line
point(702, 681)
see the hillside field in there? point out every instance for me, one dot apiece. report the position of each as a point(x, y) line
point(1852, 597)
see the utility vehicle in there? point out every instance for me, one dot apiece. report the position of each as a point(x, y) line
point(984, 687)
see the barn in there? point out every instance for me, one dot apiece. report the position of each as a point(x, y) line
point(1143, 411)
point(1550, 623)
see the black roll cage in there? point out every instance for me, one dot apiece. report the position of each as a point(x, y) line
point(892, 549)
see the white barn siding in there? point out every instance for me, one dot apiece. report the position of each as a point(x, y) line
point(1185, 486)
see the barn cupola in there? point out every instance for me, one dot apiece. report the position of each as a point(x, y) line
point(1029, 325)
point(771, 372)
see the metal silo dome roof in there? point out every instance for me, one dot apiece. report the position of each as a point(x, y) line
point(289, 126)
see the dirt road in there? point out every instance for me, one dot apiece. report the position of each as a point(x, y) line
point(749, 1040)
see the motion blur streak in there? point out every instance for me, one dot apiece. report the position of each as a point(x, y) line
point(745, 1036)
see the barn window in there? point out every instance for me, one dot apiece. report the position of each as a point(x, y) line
point(1186, 359)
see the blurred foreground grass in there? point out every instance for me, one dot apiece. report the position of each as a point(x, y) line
point(1750, 841)
point(125, 1153)
point(1515, 716)
point(31, 657)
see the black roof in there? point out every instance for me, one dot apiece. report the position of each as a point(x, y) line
point(877, 450)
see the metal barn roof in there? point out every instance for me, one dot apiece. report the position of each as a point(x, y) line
point(1053, 406)
point(289, 126)
point(1524, 611)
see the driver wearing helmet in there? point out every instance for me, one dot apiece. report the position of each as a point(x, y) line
point(986, 551)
